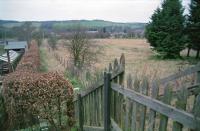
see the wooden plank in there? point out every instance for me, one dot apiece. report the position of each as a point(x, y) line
point(166, 99)
point(87, 110)
point(91, 89)
point(110, 68)
point(192, 90)
point(93, 108)
point(121, 111)
point(126, 118)
point(144, 91)
point(152, 113)
point(116, 101)
point(180, 74)
point(115, 66)
point(128, 104)
point(115, 105)
point(107, 95)
point(90, 108)
point(80, 107)
point(196, 111)
point(97, 107)
point(92, 128)
point(102, 105)
point(122, 61)
point(180, 116)
point(135, 107)
point(122, 99)
point(180, 104)
point(114, 125)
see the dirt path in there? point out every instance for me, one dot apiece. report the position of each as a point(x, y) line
point(49, 60)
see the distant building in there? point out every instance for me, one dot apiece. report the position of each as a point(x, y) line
point(18, 46)
point(14, 50)
point(4, 63)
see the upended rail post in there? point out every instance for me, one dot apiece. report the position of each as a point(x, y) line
point(107, 98)
point(80, 112)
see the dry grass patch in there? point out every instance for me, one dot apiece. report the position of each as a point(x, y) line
point(140, 59)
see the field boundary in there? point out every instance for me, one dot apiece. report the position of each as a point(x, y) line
point(130, 107)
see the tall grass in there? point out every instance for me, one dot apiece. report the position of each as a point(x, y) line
point(43, 61)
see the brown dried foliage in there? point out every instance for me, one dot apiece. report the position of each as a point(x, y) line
point(31, 59)
point(29, 94)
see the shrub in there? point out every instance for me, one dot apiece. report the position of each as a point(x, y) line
point(30, 96)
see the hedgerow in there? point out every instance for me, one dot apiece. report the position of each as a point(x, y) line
point(31, 96)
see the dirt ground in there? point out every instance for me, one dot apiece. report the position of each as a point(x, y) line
point(140, 59)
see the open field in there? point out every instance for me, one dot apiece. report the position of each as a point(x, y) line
point(140, 58)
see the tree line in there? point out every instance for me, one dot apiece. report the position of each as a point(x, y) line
point(169, 31)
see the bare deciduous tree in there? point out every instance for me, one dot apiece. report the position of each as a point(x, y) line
point(82, 51)
point(52, 41)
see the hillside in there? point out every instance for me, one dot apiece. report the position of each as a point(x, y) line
point(71, 23)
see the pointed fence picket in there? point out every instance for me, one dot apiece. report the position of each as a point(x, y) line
point(139, 106)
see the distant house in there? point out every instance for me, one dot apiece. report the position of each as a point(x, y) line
point(4, 61)
point(14, 50)
point(18, 46)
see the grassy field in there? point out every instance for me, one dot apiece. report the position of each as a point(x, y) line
point(140, 59)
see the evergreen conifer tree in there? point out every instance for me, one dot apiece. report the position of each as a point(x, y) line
point(165, 31)
point(193, 26)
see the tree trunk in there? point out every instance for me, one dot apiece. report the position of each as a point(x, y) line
point(197, 55)
point(188, 53)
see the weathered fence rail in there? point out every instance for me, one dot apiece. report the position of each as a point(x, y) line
point(139, 106)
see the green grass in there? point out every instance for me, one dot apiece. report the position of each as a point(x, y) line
point(73, 80)
point(43, 62)
point(191, 60)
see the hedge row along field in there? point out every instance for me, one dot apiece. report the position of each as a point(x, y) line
point(31, 97)
point(31, 59)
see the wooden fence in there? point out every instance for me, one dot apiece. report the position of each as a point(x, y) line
point(141, 105)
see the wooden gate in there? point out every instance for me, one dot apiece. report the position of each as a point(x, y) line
point(140, 106)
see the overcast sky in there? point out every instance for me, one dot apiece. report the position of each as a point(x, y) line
point(112, 10)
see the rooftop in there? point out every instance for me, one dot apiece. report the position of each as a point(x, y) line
point(15, 45)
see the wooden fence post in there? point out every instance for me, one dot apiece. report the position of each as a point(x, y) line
point(80, 112)
point(107, 101)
